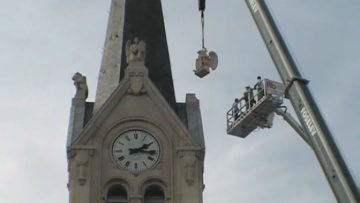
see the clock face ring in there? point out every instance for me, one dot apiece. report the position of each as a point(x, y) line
point(136, 150)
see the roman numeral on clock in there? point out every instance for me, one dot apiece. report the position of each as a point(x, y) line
point(119, 142)
point(150, 158)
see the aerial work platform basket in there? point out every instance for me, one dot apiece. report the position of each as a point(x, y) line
point(255, 110)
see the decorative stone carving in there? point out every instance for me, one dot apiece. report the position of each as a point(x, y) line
point(80, 85)
point(136, 70)
point(82, 167)
point(189, 160)
point(189, 164)
point(82, 164)
point(136, 73)
point(135, 50)
point(137, 82)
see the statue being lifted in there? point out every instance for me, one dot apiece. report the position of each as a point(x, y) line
point(135, 50)
point(80, 85)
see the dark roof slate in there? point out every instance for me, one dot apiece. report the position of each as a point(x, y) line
point(144, 19)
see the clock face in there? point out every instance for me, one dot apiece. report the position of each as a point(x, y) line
point(136, 150)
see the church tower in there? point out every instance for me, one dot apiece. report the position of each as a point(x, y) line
point(135, 143)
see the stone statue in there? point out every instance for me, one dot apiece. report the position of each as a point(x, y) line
point(135, 50)
point(81, 86)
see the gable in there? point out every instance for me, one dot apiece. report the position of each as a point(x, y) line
point(136, 99)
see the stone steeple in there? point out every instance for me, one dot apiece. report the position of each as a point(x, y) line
point(135, 143)
point(127, 20)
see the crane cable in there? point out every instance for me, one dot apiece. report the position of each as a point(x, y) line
point(202, 9)
point(202, 27)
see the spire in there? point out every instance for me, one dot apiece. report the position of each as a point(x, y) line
point(109, 74)
point(129, 19)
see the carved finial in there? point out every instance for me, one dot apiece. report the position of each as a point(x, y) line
point(80, 85)
point(135, 50)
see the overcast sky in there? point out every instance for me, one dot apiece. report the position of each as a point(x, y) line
point(44, 42)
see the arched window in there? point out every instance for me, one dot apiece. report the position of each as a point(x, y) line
point(154, 194)
point(117, 194)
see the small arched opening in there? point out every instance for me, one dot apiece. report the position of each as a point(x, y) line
point(154, 194)
point(117, 194)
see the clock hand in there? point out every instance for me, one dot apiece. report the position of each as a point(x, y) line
point(151, 152)
point(133, 150)
point(140, 149)
point(145, 146)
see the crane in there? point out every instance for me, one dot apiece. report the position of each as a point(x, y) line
point(312, 127)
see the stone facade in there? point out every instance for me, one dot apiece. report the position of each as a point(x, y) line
point(92, 169)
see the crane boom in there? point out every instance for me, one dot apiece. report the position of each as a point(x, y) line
point(321, 140)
